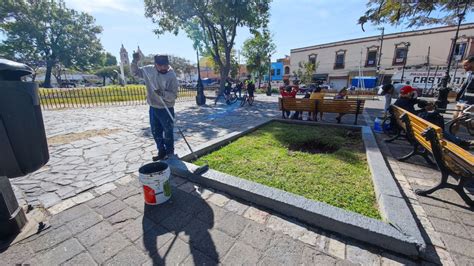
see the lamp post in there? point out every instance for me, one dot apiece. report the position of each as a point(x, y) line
point(407, 44)
point(269, 88)
point(442, 101)
point(380, 54)
point(200, 97)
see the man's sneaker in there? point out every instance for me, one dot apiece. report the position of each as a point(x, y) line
point(161, 156)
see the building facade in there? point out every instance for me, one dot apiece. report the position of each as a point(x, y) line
point(339, 62)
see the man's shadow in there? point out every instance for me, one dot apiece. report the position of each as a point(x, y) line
point(167, 227)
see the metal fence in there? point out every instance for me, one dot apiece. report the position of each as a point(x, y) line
point(57, 98)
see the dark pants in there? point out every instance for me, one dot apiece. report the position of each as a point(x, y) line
point(162, 130)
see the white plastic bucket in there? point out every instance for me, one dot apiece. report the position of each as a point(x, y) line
point(154, 177)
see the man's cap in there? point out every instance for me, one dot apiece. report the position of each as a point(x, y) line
point(406, 89)
point(161, 60)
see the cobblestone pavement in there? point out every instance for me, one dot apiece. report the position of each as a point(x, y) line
point(196, 227)
point(82, 162)
point(447, 221)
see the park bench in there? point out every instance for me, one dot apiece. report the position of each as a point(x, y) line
point(341, 106)
point(299, 105)
point(395, 114)
point(450, 159)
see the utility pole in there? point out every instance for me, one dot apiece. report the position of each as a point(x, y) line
point(380, 52)
point(442, 101)
point(429, 68)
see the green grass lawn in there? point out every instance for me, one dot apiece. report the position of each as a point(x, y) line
point(325, 164)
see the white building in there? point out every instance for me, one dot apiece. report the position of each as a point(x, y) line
point(338, 62)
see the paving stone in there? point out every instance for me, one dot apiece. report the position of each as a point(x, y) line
point(123, 216)
point(312, 256)
point(283, 250)
point(215, 244)
point(232, 224)
point(135, 229)
point(256, 215)
point(236, 207)
point(101, 201)
point(459, 245)
point(198, 258)
point(439, 212)
point(434, 238)
point(108, 247)
point(49, 199)
point(176, 252)
point(51, 238)
point(176, 220)
point(60, 207)
point(105, 188)
point(194, 231)
point(257, 235)
point(137, 202)
point(111, 208)
point(177, 181)
point(337, 248)
point(123, 192)
point(63, 252)
point(188, 187)
point(449, 227)
point(125, 180)
point(82, 223)
point(218, 199)
point(83, 197)
point(17, 254)
point(203, 193)
point(466, 218)
point(290, 228)
point(81, 259)
point(462, 260)
point(310, 237)
point(128, 256)
point(393, 260)
point(360, 255)
point(154, 239)
point(66, 192)
point(242, 254)
point(95, 233)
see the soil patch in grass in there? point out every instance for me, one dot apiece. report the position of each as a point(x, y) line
point(321, 163)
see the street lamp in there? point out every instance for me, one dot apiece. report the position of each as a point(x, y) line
point(407, 45)
point(200, 97)
point(269, 88)
point(442, 101)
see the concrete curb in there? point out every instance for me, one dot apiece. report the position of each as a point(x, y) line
point(399, 234)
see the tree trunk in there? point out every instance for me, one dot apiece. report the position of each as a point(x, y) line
point(103, 81)
point(47, 76)
point(259, 78)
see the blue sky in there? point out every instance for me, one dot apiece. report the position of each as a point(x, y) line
point(294, 23)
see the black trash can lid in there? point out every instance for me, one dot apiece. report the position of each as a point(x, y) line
point(11, 70)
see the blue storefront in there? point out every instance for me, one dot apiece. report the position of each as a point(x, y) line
point(277, 72)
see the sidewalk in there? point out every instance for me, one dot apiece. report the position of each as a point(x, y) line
point(90, 187)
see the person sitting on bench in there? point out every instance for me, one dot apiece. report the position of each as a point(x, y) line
point(408, 99)
point(341, 95)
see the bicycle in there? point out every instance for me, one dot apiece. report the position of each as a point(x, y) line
point(229, 97)
point(465, 120)
point(246, 99)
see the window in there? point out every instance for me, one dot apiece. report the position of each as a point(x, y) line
point(339, 59)
point(287, 70)
point(401, 52)
point(371, 58)
point(278, 72)
point(273, 72)
point(459, 50)
point(312, 59)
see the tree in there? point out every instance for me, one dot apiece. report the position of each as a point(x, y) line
point(107, 59)
point(108, 72)
point(216, 21)
point(257, 51)
point(47, 30)
point(414, 13)
point(305, 71)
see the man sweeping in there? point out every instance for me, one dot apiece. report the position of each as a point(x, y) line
point(161, 82)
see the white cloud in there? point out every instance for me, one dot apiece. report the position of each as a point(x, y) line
point(107, 6)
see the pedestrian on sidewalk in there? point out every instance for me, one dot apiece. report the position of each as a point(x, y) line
point(160, 80)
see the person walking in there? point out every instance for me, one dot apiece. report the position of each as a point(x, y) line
point(161, 82)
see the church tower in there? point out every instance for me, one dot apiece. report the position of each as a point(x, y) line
point(124, 57)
